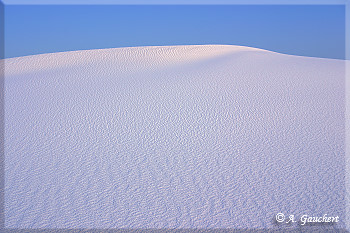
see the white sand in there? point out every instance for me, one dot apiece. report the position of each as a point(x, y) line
point(172, 137)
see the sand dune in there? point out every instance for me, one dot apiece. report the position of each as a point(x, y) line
point(212, 136)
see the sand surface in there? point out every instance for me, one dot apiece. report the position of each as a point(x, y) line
point(213, 136)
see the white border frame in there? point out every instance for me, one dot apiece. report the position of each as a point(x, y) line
point(345, 3)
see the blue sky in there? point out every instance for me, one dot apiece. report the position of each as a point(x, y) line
point(307, 30)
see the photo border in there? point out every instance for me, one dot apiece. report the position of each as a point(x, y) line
point(4, 3)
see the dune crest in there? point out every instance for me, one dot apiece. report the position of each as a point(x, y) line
point(136, 57)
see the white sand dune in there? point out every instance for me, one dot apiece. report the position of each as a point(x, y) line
point(209, 136)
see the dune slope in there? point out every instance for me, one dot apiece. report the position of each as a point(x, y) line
point(172, 137)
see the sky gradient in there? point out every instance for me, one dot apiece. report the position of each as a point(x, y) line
point(306, 30)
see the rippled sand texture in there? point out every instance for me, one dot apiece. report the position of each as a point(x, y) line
point(172, 137)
